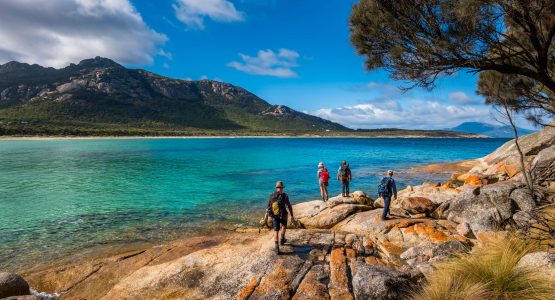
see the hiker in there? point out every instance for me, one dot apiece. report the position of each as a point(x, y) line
point(344, 174)
point(323, 181)
point(276, 208)
point(386, 189)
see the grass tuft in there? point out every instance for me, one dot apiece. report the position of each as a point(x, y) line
point(490, 272)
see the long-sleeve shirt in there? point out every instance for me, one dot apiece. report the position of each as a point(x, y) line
point(392, 187)
point(285, 203)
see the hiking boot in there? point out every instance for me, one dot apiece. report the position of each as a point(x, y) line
point(277, 248)
point(283, 240)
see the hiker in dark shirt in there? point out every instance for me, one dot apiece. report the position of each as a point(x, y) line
point(386, 189)
point(277, 208)
point(344, 174)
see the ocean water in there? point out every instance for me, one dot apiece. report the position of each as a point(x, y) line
point(61, 197)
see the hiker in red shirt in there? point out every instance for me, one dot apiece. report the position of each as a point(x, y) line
point(323, 181)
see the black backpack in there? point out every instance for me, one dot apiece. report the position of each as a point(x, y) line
point(384, 186)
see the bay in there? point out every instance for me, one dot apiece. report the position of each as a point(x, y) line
point(62, 196)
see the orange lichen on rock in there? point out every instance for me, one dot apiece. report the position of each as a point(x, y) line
point(374, 261)
point(339, 281)
point(247, 291)
point(389, 248)
point(473, 180)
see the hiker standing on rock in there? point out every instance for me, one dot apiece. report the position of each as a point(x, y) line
point(323, 181)
point(344, 174)
point(386, 189)
point(276, 208)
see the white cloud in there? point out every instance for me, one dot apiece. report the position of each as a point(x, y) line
point(411, 114)
point(55, 33)
point(193, 12)
point(269, 63)
point(463, 98)
point(165, 54)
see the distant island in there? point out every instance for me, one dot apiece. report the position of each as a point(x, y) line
point(494, 131)
point(99, 97)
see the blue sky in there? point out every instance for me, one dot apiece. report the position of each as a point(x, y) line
point(295, 53)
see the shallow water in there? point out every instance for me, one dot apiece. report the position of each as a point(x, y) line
point(63, 196)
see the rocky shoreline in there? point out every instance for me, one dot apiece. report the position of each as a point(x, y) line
point(340, 249)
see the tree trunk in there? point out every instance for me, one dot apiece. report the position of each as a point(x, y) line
point(525, 173)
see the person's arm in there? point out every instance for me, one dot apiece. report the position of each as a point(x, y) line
point(289, 207)
point(269, 202)
point(319, 174)
point(339, 174)
point(350, 175)
point(394, 188)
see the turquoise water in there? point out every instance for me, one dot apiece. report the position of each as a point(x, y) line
point(62, 196)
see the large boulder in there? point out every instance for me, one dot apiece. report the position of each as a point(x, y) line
point(544, 261)
point(403, 233)
point(327, 218)
point(436, 193)
point(324, 215)
point(543, 166)
point(13, 285)
point(372, 282)
point(524, 199)
point(484, 211)
point(362, 198)
point(504, 162)
point(379, 203)
point(418, 205)
point(449, 248)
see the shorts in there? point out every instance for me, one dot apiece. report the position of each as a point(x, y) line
point(323, 183)
point(277, 222)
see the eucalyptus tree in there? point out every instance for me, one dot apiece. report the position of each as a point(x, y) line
point(419, 40)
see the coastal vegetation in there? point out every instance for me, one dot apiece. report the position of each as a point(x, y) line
point(490, 272)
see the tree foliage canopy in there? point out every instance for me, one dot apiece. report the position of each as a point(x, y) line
point(419, 40)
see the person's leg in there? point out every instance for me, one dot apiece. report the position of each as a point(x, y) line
point(343, 188)
point(347, 188)
point(322, 191)
point(283, 229)
point(276, 224)
point(386, 202)
point(326, 192)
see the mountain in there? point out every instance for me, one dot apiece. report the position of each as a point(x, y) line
point(496, 131)
point(99, 96)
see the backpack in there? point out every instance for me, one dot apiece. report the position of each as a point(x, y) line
point(325, 175)
point(344, 172)
point(277, 204)
point(384, 186)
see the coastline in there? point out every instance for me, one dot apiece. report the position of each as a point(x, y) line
point(46, 138)
point(217, 231)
